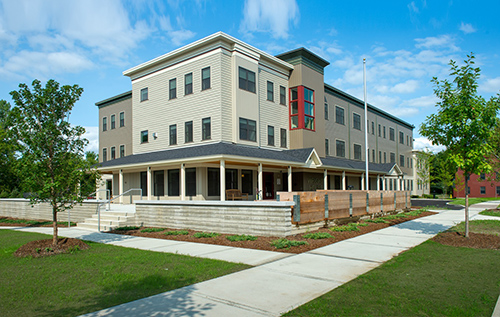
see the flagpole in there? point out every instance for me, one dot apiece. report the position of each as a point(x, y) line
point(367, 154)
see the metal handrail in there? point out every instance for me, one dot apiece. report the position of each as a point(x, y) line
point(101, 190)
point(108, 201)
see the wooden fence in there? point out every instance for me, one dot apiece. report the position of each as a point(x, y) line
point(323, 205)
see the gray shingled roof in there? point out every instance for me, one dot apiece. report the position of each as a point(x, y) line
point(356, 165)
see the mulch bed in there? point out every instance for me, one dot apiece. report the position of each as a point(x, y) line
point(264, 243)
point(475, 240)
point(41, 248)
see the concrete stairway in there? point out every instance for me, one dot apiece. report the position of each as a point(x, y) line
point(116, 217)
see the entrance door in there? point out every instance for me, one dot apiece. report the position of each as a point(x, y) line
point(268, 185)
point(109, 186)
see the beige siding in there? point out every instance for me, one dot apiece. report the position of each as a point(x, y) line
point(119, 135)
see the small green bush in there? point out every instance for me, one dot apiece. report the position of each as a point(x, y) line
point(15, 194)
point(152, 229)
point(415, 212)
point(318, 235)
point(362, 224)
point(4, 194)
point(397, 216)
point(349, 227)
point(205, 235)
point(126, 228)
point(176, 233)
point(242, 237)
point(377, 220)
point(286, 244)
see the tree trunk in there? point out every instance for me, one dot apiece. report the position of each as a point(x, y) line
point(466, 206)
point(54, 225)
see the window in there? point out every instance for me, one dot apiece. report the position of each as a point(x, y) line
point(104, 155)
point(407, 162)
point(340, 148)
point(482, 176)
point(122, 150)
point(391, 134)
point(483, 190)
point(411, 163)
point(402, 160)
point(384, 132)
point(122, 119)
point(373, 128)
point(393, 158)
point(206, 132)
point(339, 115)
point(498, 190)
point(270, 91)
point(231, 179)
point(188, 84)
point(282, 95)
point(357, 152)
point(373, 156)
point(213, 179)
point(385, 157)
point(104, 123)
point(302, 108)
point(326, 110)
point(158, 183)
point(173, 182)
point(327, 147)
point(401, 137)
point(144, 136)
point(283, 137)
point(270, 135)
point(379, 130)
point(247, 182)
point(247, 129)
point(188, 132)
point(205, 78)
point(172, 89)
point(173, 134)
point(380, 156)
point(144, 94)
point(356, 121)
point(407, 140)
point(113, 121)
point(294, 108)
point(191, 181)
point(144, 183)
point(113, 152)
point(246, 79)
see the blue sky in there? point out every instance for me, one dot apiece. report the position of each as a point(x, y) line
point(406, 43)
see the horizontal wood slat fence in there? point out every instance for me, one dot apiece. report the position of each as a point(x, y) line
point(324, 205)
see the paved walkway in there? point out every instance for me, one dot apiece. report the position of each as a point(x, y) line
point(280, 282)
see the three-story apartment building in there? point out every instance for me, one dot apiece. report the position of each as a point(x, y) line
point(220, 114)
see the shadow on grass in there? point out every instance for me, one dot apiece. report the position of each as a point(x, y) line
point(134, 299)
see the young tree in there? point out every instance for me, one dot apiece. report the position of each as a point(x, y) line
point(464, 122)
point(442, 171)
point(51, 154)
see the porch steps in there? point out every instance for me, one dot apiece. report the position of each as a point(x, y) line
point(117, 216)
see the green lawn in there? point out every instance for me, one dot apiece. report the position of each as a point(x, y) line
point(428, 280)
point(90, 280)
point(472, 201)
point(495, 213)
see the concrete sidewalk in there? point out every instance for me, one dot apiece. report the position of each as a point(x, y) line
point(281, 282)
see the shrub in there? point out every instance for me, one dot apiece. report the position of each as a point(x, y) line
point(416, 212)
point(176, 233)
point(318, 235)
point(4, 194)
point(205, 235)
point(397, 216)
point(15, 193)
point(242, 237)
point(286, 244)
point(152, 229)
point(349, 227)
point(126, 228)
point(377, 220)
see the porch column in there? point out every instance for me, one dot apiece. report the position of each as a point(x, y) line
point(383, 183)
point(363, 181)
point(259, 182)
point(403, 187)
point(289, 179)
point(183, 182)
point(343, 180)
point(149, 183)
point(378, 181)
point(396, 183)
point(325, 179)
point(222, 180)
point(120, 186)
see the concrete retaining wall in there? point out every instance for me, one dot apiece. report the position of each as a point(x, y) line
point(21, 208)
point(260, 218)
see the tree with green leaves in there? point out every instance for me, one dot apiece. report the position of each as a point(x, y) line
point(9, 181)
point(423, 168)
point(442, 172)
point(51, 150)
point(463, 123)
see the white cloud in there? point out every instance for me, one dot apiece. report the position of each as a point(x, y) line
point(92, 134)
point(491, 85)
point(180, 36)
point(467, 28)
point(422, 102)
point(269, 16)
point(406, 87)
point(443, 41)
point(422, 143)
point(413, 7)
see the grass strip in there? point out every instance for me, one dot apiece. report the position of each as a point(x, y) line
point(94, 279)
point(495, 213)
point(33, 222)
point(472, 200)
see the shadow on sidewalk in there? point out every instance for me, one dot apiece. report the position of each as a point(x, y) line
point(423, 227)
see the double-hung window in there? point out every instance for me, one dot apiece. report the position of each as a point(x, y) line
point(373, 128)
point(357, 152)
point(205, 78)
point(401, 137)
point(172, 89)
point(326, 110)
point(122, 150)
point(384, 132)
point(104, 154)
point(339, 115)
point(340, 148)
point(270, 135)
point(144, 136)
point(188, 132)
point(206, 129)
point(391, 134)
point(113, 121)
point(379, 130)
point(282, 95)
point(246, 79)
point(122, 119)
point(173, 134)
point(283, 137)
point(104, 123)
point(144, 94)
point(248, 130)
point(302, 108)
point(393, 157)
point(402, 160)
point(356, 121)
point(327, 147)
point(188, 84)
point(113, 152)
point(270, 91)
